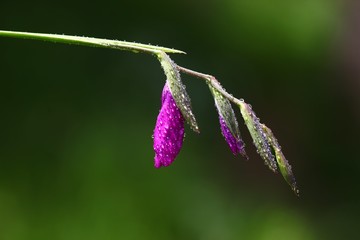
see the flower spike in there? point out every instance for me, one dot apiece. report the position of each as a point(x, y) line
point(176, 107)
point(169, 130)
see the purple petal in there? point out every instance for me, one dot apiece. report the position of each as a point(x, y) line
point(169, 131)
point(236, 145)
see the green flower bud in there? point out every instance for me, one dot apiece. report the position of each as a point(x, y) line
point(258, 135)
point(283, 164)
point(177, 89)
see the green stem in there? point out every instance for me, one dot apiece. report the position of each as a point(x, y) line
point(92, 42)
point(120, 45)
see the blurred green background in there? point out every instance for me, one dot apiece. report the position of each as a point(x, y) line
point(76, 158)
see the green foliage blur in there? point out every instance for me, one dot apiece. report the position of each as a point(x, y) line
point(76, 158)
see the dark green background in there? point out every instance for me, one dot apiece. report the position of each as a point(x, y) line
point(76, 158)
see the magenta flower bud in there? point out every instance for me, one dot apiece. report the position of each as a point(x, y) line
point(236, 145)
point(169, 131)
point(228, 123)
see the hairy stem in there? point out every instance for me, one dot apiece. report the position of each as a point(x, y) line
point(213, 82)
point(92, 42)
point(120, 45)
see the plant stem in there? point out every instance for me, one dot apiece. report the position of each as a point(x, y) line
point(92, 42)
point(120, 45)
point(213, 82)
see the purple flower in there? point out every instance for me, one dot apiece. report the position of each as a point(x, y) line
point(169, 131)
point(236, 144)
